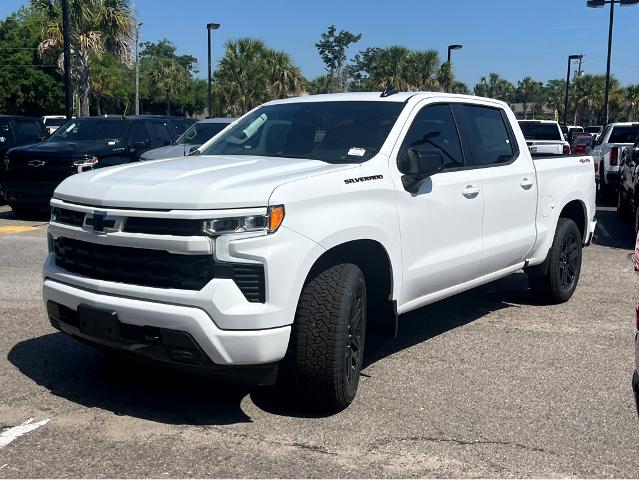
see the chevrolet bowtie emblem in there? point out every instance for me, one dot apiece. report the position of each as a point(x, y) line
point(36, 163)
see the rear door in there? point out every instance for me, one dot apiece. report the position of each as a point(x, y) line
point(509, 187)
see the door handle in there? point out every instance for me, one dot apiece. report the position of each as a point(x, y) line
point(526, 183)
point(470, 191)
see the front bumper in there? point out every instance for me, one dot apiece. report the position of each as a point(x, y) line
point(220, 347)
point(35, 195)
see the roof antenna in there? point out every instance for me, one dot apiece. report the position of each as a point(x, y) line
point(388, 91)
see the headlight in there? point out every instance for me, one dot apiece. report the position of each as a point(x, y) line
point(268, 223)
point(86, 163)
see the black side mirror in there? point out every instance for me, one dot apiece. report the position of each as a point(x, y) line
point(417, 165)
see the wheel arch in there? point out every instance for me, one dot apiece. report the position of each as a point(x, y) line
point(576, 211)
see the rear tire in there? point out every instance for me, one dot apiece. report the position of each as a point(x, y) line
point(556, 280)
point(326, 349)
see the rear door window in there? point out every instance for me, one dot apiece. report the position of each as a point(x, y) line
point(27, 131)
point(139, 133)
point(494, 143)
point(160, 133)
point(624, 134)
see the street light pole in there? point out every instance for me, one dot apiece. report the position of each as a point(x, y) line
point(570, 59)
point(607, 94)
point(600, 4)
point(451, 48)
point(137, 69)
point(66, 36)
point(209, 27)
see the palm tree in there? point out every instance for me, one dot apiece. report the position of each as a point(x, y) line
point(529, 91)
point(166, 76)
point(495, 87)
point(250, 73)
point(589, 96)
point(96, 26)
point(631, 94)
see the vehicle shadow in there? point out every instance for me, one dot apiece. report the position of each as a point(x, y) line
point(432, 320)
point(613, 231)
point(88, 377)
point(10, 215)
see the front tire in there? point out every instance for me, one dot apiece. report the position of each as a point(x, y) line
point(326, 349)
point(556, 280)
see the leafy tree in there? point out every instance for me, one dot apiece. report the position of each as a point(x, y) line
point(405, 69)
point(554, 93)
point(318, 85)
point(495, 87)
point(529, 91)
point(97, 26)
point(250, 73)
point(631, 94)
point(332, 48)
point(27, 86)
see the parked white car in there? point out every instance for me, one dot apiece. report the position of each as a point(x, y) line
point(305, 224)
point(544, 137)
point(608, 151)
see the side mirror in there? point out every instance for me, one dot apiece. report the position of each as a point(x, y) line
point(192, 149)
point(418, 165)
point(423, 163)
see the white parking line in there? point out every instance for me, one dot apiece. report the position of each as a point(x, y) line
point(10, 434)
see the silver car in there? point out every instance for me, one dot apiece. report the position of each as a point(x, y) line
point(196, 135)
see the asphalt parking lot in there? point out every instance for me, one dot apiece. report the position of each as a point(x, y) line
point(486, 383)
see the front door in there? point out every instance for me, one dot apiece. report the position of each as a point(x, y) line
point(441, 224)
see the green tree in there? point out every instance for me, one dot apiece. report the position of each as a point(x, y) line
point(554, 94)
point(529, 91)
point(27, 86)
point(405, 69)
point(332, 49)
point(250, 73)
point(319, 85)
point(495, 87)
point(631, 94)
point(97, 26)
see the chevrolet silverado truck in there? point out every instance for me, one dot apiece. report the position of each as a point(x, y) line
point(608, 151)
point(544, 137)
point(270, 253)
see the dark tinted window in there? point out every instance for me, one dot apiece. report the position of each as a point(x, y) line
point(434, 128)
point(160, 133)
point(139, 133)
point(27, 131)
point(627, 134)
point(592, 129)
point(494, 145)
point(90, 129)
point(337, 132)
point(6, 134)
point(54, 122)
point(200, 133)
point(540, 131)
point(180, 125)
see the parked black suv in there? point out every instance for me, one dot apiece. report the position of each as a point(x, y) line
point(15, 131)
point(32, 173)
point(628, 192)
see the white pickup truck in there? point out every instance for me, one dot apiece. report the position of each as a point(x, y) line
point(608, 150)
point(272, 250)
point(544, 137)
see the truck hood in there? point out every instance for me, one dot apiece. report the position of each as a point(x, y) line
point(66, 150)
point(170, 151)
point(190, 183)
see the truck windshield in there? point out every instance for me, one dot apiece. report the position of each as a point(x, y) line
point(90, 130)
point(335, 132)
point(200, 133)
point(624, 134)
point(540, 131)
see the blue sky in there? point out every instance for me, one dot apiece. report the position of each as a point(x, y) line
point(512, 37)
